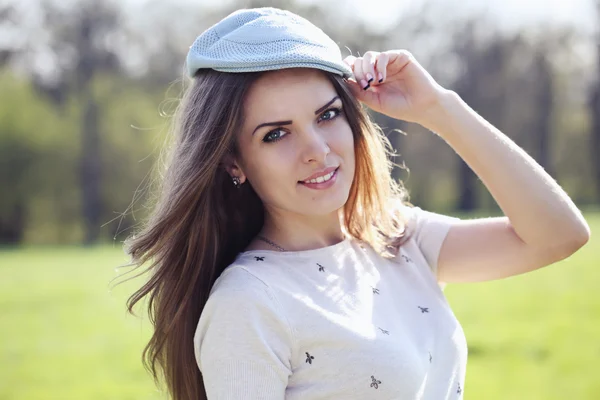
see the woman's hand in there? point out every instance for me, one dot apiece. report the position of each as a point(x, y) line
point(406, 92)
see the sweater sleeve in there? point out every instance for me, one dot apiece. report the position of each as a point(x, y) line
point(243, 343)
point(429, 231)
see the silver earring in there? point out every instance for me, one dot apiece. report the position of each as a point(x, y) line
point(236, 181)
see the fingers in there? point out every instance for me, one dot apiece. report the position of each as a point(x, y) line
point(381, 66)
point(370, 69)
point(360, 75)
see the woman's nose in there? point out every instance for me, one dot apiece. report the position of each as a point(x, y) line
point(315, 147)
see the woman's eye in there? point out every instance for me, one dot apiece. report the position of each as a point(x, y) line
point(332, 112)
point(278, 134)
point(274, 135)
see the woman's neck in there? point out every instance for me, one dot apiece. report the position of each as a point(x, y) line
point(303, 233)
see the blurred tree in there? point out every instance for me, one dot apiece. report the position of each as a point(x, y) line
point(508, 80)
point(543, 99)
point(594, 103)
point(595, 134)
point(469, 87)
point(81, 32)
point(35, 150)
point(93, 22)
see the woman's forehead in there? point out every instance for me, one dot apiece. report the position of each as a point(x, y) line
point(278, 90)
point(290, 80)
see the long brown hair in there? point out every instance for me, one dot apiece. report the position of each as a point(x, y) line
point(200, 221)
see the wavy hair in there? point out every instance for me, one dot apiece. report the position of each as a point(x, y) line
point(200, 221)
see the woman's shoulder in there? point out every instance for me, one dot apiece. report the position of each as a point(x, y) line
point(420, 221)
point(251, 272)
point(240, 316)
point(237, 276)
point(240, 293)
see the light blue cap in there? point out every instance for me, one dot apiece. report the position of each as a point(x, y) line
point(262, 39)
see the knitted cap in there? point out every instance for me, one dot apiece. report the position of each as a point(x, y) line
point(261, 39)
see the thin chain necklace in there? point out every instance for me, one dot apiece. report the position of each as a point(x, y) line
point(271, 243)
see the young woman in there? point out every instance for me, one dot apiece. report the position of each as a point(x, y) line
point(285, 262)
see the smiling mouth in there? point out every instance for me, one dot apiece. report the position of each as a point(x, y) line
point(322, 179)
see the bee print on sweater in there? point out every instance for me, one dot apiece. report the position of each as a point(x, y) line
point(375, 290)
point(406, 258)
point(259, 258)
point(430, 358)
point(309, 358)
point(424, 309)
point(375, 383)
point(321, 268)
point(459, 390)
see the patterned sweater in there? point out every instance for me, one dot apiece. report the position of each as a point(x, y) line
point(338, 322)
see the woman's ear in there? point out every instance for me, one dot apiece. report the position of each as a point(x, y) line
point(231, 165)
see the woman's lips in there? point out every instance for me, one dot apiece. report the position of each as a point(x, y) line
point(322, 185)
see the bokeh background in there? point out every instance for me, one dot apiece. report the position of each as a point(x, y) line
point(87, 89)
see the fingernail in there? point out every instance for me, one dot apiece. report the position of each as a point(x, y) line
point(364, 84)
point(370, 78)
point(380, 76)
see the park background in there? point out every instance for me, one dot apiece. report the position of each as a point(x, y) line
point(87, 88)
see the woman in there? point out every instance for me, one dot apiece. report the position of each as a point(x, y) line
point(286, 263)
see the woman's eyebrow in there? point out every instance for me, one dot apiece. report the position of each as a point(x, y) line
point(279, 123)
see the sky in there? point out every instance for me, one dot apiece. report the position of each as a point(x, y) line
point(511, 14)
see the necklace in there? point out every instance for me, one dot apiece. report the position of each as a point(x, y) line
point(271, 243)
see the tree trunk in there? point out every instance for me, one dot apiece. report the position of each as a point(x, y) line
point(12, 228)
point(467, 187)
point(543, 121)
point(91, 170)
point(90, 151)
point(595, 138)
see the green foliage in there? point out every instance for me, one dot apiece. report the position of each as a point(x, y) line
point(35, 146)
point(40, 162)
point(133, 135)
point(66, 335)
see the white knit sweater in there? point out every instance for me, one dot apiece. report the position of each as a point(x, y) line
point(339, 322)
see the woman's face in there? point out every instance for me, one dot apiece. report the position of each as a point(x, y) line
point(294, 128)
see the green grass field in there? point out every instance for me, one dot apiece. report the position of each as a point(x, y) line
point(65, 335)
